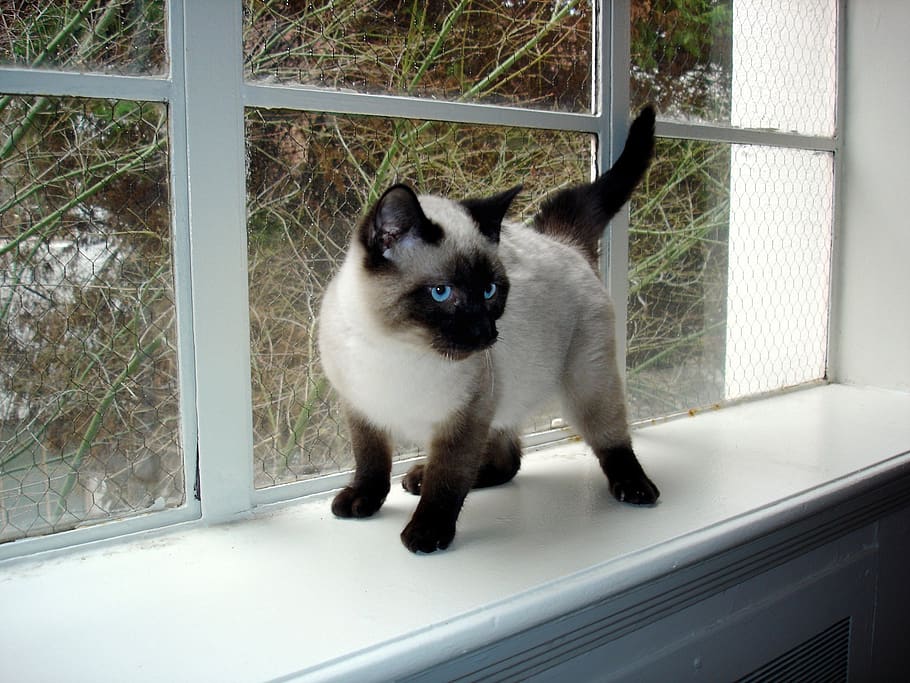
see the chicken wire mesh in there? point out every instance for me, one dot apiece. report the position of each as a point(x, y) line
point(534, 53)
point(748, 63)
point(730, 255)
point(311, 176)
point(88, 368)
point(781, 221)
point(117, 36)
point(730, 244)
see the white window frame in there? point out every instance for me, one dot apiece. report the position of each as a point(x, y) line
point(206, 95)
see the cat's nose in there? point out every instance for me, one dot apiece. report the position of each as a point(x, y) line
point(483, 332)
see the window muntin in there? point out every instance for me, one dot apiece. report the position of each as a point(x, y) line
point(311, 176)
point(114, 37)
point(88, 377)
point(535, 53)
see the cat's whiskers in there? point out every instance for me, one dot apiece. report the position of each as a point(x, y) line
point(488, 361)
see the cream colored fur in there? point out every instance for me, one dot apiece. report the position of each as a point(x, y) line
point(555, 340)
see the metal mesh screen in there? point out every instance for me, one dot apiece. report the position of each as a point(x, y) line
point(88, 368)
point(729, 274)
point(748, 63)
point(310, 178)
point(534, 53)
point(730, 244)
point(119, 36)
point(781, 220)
point(784, 74)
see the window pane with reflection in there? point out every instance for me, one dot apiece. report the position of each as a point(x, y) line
point(534, 53)
point(729, 270)
point(89, 416)
point(745, 63)
point(124, 37)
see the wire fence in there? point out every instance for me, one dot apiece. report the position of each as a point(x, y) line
point(533, 53)
point(88, 388)
point(730, 245)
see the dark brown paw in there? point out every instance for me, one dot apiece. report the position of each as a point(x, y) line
point(357, 502)
point(635, 490)
point(628, 481)
point(427, 535)
point(413, 480)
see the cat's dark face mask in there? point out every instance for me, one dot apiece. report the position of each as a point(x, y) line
point(459, 314)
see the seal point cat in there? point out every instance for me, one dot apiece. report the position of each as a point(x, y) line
point(449, 327)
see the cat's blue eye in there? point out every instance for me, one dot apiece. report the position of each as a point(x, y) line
point(490, 291)
point(441, 293)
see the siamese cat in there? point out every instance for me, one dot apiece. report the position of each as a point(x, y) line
point(449, 328)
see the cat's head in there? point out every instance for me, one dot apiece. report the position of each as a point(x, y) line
point(432, 268)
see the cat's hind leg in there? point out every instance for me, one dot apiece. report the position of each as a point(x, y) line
point(373, 467)
point(499, 464)
point(501, 459)
point(594, 402)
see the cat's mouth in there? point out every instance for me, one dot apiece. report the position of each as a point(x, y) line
point(459, 352)
point(463, 338)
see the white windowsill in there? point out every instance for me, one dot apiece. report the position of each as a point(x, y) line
point(295, 590)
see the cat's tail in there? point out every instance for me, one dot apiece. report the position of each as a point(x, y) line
point(579, 214)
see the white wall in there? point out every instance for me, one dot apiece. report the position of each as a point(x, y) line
point(870, 335)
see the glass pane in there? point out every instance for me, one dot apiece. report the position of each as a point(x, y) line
point(747, 63)
point(536, 53)
point(122, 37)
point(682, 58)
point(677, 280)
point(310, 178)
point(729, 274)
point(88, 376)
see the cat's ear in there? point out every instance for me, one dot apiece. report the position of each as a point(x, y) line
point(489, 212)
point(395, 222)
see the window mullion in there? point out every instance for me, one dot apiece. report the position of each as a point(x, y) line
point(212, 75)
point(614, 59)
point(181, 252)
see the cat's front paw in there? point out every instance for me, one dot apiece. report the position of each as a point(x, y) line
point(636, 490)
point(354, 501)
point(628, 481)
point(427, 534)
